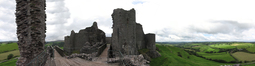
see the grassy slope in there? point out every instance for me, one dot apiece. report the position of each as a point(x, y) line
point(9, 63)
point(8, 47)
point(242, 45)
point(4, 55)
point(244, 56)
point(170, 58)
point(223, 46)
point(251, 49)
point(222, 56)
point(211, 49)
point(249, 65)
point(61, 47)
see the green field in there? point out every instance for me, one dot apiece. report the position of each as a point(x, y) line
point(242, 56)
point(223, 46)
point(8, 47)
point(169, 57)
point(4, 55)
point(9, 63)
point(251, 49)
point(242, 45)
point(220, 56)
point(61, 47)
point(211, 50)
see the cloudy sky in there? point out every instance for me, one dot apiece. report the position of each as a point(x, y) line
point(170, 20)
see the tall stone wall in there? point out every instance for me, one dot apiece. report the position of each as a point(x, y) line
point(31, 29)
point(150, 41)
point(150, 44)
point(68, 46)
point(124, 32)
point(108, 40)
point(140, 41)
point(86, 37)
point(128, 36)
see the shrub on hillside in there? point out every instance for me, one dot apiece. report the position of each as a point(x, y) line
point(179, 54)
point(10, 56)
point(246, 61)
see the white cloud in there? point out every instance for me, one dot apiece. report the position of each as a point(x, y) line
point(171, 20)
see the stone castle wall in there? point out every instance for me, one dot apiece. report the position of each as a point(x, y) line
point(108, 40)
point(140, 39)
point(86, 37)
point(128, 36)
point(150, 41)
point(31, 29)
point(124, 31)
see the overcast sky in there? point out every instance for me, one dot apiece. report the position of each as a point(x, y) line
point(170, 20)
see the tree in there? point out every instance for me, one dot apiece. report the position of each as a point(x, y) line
point(9, 56)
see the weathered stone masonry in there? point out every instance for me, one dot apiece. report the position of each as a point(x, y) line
point(124, 32)
point(86, 41)
point(31, 29)
point(128, 36)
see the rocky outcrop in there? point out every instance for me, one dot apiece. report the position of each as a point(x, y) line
point(31, 29)
point(86, 41)
point(128, 36)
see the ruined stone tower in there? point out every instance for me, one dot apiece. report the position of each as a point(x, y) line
point(128, 36)
point(31, 29)
point(88, 37)
point(124, 32)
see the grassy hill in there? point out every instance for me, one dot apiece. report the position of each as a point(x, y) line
point(251, 49)
point(55, 43)
point(4, 55)
point(8, 47)
point(219, 56)
point(174, 56)
point(244, 56)
point(9, 63)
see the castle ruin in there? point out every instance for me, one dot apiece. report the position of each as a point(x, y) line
point(128, 36)
point(31, 29)
point(91, 37)
point(127, 39)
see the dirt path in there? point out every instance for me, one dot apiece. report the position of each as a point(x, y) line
point(104, 55)
point(100, 61)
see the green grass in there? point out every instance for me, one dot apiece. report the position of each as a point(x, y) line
point(2, 44)
point(9, 47)
point(249, 65)
point(205, 48)
point(223, 46)
point(61, 47)
point(242, 56)
point(220, 56)
point(4, 55)
point(242, 45)
point(251, 49)
point(9, 63)
point(211, 49)
point(169, 57)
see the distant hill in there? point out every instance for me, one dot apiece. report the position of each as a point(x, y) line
point(59, 43)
